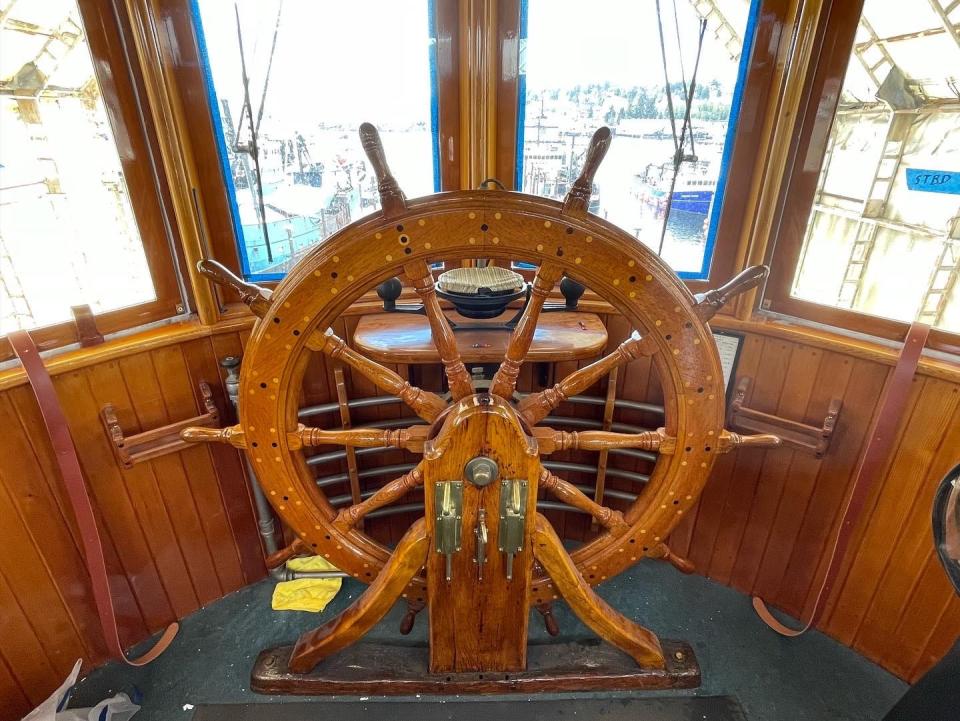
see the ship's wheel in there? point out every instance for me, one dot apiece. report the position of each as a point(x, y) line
point(480, 468)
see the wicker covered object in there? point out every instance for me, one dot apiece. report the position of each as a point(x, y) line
point(473, 281)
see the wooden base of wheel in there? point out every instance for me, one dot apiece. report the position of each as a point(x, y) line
point(369, 669)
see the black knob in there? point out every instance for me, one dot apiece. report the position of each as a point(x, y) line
point(389, 291)
point(572, 290)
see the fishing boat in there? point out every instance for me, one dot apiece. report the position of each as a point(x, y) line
point(692, 192)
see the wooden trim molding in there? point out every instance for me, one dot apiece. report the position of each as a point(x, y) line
point(116, 348)
point(170, 119)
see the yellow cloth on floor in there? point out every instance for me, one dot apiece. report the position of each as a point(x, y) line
point(306, 594)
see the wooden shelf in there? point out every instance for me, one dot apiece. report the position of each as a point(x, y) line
point(405, 338)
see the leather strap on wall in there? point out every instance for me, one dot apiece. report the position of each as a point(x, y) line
point(69, 465)
point(881, 434)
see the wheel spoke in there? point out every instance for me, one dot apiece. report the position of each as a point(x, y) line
point(425, 404)
point(566, 492)
point(390, 493)
point(550, 440)
point(410, 439)
point(537, 406)
point(505, 379)
point(440, 331)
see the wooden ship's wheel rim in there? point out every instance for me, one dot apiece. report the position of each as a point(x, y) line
point(517, 227)
point(561, 239)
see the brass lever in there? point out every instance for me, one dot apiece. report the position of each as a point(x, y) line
point(513, 511)
point(448, 514)
point(481, 534)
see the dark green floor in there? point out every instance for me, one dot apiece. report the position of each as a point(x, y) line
point(811, 678)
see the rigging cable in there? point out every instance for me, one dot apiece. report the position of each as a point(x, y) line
point(683, 74)
point(666, 80)
point(253, 147)
point(678, 156)
point(266, 79)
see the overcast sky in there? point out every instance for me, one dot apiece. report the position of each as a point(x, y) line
point(346, 61)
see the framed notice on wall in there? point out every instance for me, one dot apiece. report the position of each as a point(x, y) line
point(729, 346)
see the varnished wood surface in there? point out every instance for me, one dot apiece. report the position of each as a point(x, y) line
point(639, 643)
point(765, 520)
point(363, 614)
point(518, 347)
point(441, 334)
point(480, 624)
point(505, 226)
point(405, 338)
point(178, 531)
point(761, 526)
point(368, 669)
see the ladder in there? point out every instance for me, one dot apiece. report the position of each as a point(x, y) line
point(721, 29)
point(874, 206)
point(13, 300)
point(943, 280)
point(877, 70)
point(949, 15)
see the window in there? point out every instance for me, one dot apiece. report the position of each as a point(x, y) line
point(874, 227)
point(78, 224)
point(632, 66)
point(290, 84)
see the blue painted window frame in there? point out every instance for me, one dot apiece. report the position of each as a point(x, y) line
point(717, 211)
point(214, 104)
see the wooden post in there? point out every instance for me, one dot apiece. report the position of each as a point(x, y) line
point(345, 422)
point(608, 407)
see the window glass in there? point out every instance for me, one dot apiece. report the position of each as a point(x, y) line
point(67, 231)
point(315, 71)
point(884, 232)
point(584, 65)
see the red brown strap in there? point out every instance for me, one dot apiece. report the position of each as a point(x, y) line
point(69, 464)
point(881, 434)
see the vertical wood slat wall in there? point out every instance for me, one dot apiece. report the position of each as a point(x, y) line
point(178, 531)
point(766, 519)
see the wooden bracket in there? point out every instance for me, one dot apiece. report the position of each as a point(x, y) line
point(159, 441)
point(799, 436)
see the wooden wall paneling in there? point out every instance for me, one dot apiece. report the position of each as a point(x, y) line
point(782, 468)
point(108, 385)
point(15, 701)
point(67, 569)
point(710, 506)
point(768, 387)
point(142, 375)
point(943, 635)
point(202, 358)
point(29, 580)
point(832, 378)
point(33, 490)
point(120, 507)
point(905, 644)
point(22, 649)
point(882, 522)
point(820, 521)
point(180, 394)
point(913, 549)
